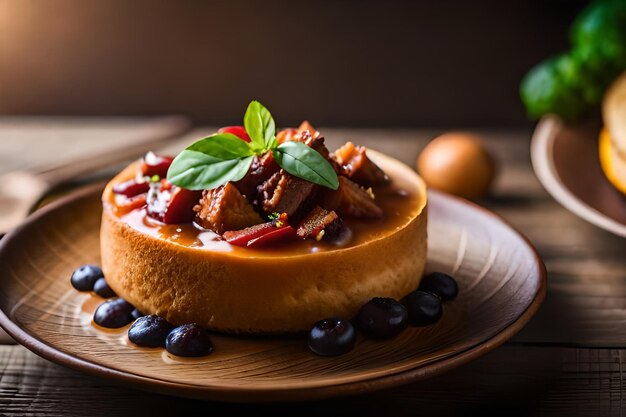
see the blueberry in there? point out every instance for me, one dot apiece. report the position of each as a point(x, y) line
point(136, 314)
point(188, 340)
point(382, 318)
point(84, 278)
point(149, 331)
point(102, 288)
point(114, 313)
point(424, 308)
point(440, 284)
point(331, 337)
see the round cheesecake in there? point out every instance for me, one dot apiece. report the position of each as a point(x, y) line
point(189, 275)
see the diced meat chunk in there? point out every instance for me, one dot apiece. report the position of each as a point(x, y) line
point(358, 167)
point(261, 170)
point(305, 126)
point(285, 193)
point(286, 135)
point(225, 208)
point(318, 143)
point(350, 199)
point(296, 134)
point(320, 224)
point(309, 136)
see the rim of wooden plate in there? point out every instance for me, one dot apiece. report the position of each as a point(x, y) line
point(260, 395)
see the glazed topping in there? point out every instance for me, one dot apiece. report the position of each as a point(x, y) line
point(234, 182)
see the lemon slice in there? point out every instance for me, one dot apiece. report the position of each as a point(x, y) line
point(608, 160)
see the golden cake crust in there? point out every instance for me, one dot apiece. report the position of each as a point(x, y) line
point(234, 293)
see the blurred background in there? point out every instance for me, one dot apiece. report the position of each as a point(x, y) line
point(337, 63)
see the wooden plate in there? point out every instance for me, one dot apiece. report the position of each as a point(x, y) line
point(501, 278)
point(565, 159)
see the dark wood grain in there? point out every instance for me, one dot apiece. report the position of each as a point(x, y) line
point(511, 381)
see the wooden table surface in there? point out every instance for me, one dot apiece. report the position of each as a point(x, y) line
point(569, 360)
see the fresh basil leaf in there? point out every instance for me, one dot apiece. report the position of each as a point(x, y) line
point(305, 162)
point(260, 125)
point(222, 146)
point(273, 143)
point(198, 171)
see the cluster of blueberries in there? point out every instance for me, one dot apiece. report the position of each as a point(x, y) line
point(384, 318)
point(188, 340)
point(380, 318)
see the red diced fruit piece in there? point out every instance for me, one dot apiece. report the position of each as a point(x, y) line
point(238, 131)
point(130, 204)
point(262, 234)
point(278, 235)
point(243, 236)
point(154, 164)
point(180, 207)
point(131, 188)
point(173, 206)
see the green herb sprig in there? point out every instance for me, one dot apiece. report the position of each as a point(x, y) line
point(217, 159)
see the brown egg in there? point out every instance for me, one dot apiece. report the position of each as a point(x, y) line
point(457, 163)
